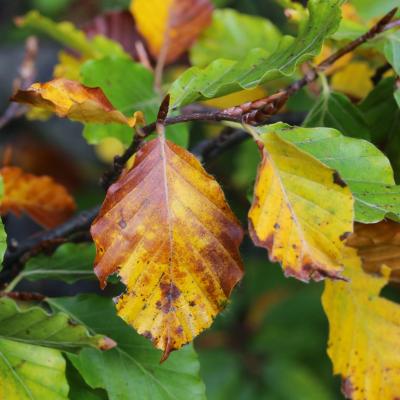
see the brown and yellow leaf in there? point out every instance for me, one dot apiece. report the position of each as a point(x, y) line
point(166, 228)
point(301, 212)
point(44, 200)
point(75, 101)
point(364, 338)
point(175, 24)
point(377, 245)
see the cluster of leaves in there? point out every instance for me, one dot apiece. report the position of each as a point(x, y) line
point(165, 226)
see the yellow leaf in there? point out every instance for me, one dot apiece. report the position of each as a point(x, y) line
point(354, 79)
point(46, 201)
point(108, 148)
point(301, 212)
point(175, 24)
point(75, 101)
point(68, 66)
point(233, 99)
point(167, 230)
point(377, 245)
point(364, 333)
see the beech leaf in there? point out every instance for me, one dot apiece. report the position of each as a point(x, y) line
point(166, 228)
point(302, 211)
point(364, 333)
point(44, 200)
point(171, 25)
point(75, 101)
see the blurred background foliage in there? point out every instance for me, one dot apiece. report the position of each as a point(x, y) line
point(270, 342)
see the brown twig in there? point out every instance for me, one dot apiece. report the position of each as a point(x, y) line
point(26, 76)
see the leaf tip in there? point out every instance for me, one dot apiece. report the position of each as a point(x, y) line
point(107, 343)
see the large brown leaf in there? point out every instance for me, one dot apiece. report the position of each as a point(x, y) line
point(166, 228)
point(46, 201)
point(171, 24)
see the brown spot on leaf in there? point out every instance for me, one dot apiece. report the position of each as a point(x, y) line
point(338, 180)
point(344, 236)
point(347, 388)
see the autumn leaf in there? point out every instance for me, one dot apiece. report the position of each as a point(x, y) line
point(171, 24)
point(377, 245)
point(44, 200)
point(75, 101)
point(364, 333)
point(166, 228)
point(301, 212)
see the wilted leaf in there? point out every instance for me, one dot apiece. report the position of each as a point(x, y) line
point(361, 165)
point(175, 24)
point(35, 326)
point(301, 212)
point(44, 200)
point(133, 366)
point(75, 101)
point(335, 110)
point(130, 87)
point(378, 245)
point(232, 35)
point(30, 372)
point(69, 263)
point(226, 76)
point(364, 333)
point(71, 37)
point(168, 231)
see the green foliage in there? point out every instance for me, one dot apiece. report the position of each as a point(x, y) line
point(222, 76)
point(30, 372)
point(130, 87)
point(69, 263)
point(232, 35)
point(141, 373)
point(35, 326)
point(362, 166)
point(66, 34)
point(335, 110)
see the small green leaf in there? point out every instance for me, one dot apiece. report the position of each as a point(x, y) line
point(360, 164)
point(35, 326)
point(133, 366)
point(130, 87)
point(222, 77)
point(369, 9)
point(31, 372)
point(232, 35)
point(335, 110)
point(392, 50)
point(69, 263)
point(68, 35)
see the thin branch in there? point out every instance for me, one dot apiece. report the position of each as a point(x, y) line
point(254, 113)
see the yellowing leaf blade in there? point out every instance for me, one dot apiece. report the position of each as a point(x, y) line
point(75, 101)
point(168, 231)
point(44, 200)
point(175, 24)
point(301, 212)
point(364, 333)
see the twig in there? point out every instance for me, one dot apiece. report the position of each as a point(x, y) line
point(254, 113)
point(23, 296)
point(26, 76)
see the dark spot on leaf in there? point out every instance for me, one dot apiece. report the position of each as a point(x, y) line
point(277, 226)
point(344, 236)
point(192, 303)
point(71, 322)
point(148, 335)
point(179, 330)
point(347, 388)
point(122, 224)
point(338, 180)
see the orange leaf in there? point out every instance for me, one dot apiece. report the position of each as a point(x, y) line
point(175, 24)
point(75, 101)
point(44, 200)
point(166, 228)
point(378, 245)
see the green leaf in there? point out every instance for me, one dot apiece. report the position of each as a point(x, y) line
point(130, 87)
point(69, 263)
point(31, 372)
point(392, 50)
point(133, 366)
point(232, 35)
point(35, 326)
point(226, 76)
point(360, 164)
point(68, 35)
point(335, 110)
point(369, 9)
